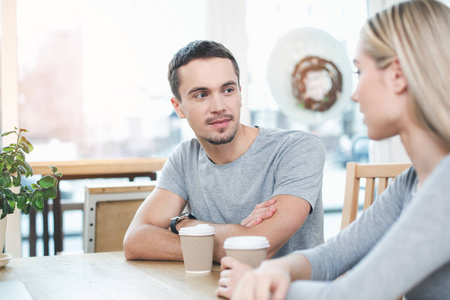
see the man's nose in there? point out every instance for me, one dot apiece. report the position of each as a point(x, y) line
point(217, 103)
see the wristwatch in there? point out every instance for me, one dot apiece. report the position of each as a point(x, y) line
point(175, 220)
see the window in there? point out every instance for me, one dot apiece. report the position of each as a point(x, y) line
point(93, 84)
point(93, 75)
point(268, 20)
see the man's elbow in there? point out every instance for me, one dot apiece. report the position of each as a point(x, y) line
point(129, 248)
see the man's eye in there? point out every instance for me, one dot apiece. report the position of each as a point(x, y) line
point(358, 72)
point(201, 95)
point(228, 90)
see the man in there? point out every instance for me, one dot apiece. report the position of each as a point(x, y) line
point(242, 180)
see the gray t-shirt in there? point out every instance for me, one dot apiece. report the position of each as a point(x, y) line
point(400, 245)
point(279, 162)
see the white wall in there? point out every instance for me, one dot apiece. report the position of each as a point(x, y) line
point(9, 105)
point(233, 36)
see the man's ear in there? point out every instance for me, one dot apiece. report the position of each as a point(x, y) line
point(240, 94)
point(176, 106)
point(398, 78)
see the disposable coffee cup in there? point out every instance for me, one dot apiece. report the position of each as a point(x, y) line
point(197, 245)
point(251, 250)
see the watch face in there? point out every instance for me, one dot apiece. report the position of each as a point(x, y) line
point(182, 216)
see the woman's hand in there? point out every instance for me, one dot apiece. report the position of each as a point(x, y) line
point(262, 211)
point(239, 281)
point(265, 282)
point(232, 271)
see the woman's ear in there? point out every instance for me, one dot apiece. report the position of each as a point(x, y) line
point(398, 78)
point(176, 106)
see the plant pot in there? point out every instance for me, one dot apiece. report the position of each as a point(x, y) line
point(2, 234)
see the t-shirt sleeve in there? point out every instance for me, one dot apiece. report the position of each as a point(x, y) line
point(172, 175)
point(299, 169)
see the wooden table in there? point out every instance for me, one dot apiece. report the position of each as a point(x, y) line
point(84, 169)
point(108, 275)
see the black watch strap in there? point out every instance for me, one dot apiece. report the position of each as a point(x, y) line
point(174, 221)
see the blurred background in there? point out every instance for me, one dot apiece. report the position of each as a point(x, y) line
point(93, 80)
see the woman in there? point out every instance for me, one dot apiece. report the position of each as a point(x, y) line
point(401, 244)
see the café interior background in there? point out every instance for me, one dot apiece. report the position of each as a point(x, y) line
point(92, 81)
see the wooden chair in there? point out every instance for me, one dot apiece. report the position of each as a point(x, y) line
point(374, 174)
point(381, 174)
point(83, 169)
point(108, 211)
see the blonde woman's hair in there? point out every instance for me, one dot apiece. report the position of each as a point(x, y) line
point(418, 33)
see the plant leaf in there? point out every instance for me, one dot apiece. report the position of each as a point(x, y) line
point(17, 179)
point(25, 148)
point(20, 156)
point(27, 168)
point(51, 192)
point(7, 209)
point(24, 141)
point(54, 169)
point(8, 194)
point(40, 203)
point(21, 169)
point(7, 133)
point(9, 160)
point(5, 180)
point(47, 181)
point(27, 209)
point(8, 149)
point(12, 203)
point(21, 202)
point(37, 199)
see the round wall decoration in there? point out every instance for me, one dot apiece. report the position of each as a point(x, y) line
point(310, 75)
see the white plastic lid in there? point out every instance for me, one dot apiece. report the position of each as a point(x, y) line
point(246, 242)
point(199, 230)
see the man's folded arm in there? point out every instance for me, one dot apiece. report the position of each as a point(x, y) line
point(148, 236)
point(291, 213)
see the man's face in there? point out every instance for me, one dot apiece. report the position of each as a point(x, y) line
point(210, 99)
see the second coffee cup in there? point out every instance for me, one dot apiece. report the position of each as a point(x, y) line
point(251, 250)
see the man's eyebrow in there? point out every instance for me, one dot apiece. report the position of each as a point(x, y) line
point(196, 89)
point(200, 88)
point(231, 82)
point(355, 61)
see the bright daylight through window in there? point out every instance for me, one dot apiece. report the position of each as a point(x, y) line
point(93, 79)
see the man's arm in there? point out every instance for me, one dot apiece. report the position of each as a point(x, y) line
point(291, 213)
point(148, 236)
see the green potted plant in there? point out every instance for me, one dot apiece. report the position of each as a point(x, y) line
point(12, 192)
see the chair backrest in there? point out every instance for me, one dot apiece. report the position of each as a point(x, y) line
point(108, 211)
point(374, 174)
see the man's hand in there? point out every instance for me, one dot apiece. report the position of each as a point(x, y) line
point(240, 281)
point(262, 211)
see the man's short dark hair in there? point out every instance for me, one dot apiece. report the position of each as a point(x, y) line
point(196, 50)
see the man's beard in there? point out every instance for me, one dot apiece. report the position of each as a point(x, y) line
point(220, 140)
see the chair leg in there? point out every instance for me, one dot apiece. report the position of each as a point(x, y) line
point(32, 237)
